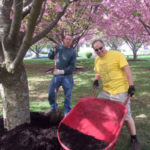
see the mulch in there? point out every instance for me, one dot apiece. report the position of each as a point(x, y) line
point(40, 134)
point(78, 140)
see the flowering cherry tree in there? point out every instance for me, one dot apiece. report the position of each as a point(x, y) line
point(75, 22)
point(18, 31)
point(120, 19)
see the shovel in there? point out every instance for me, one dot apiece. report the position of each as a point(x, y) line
point(55, 116)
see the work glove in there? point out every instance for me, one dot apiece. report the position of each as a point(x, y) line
point(96, 84)
point(131, 90)
point(58, 72)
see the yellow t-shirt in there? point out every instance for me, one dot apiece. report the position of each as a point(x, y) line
point(110, 69)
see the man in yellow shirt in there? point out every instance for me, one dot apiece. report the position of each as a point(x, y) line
point(113, 69)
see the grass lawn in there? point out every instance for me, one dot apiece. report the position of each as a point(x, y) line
point(39, 78)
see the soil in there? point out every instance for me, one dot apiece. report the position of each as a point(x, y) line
point(41, 134)
point(78, 140)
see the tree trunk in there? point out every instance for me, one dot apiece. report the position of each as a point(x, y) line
point(37, 55)
point(15, 98)
point(134, 55)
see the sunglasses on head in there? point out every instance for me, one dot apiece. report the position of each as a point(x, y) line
point(96, 50)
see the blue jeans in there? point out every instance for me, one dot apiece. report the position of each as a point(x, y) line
point(66, 81)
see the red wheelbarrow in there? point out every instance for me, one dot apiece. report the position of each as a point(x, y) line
point(93, 124)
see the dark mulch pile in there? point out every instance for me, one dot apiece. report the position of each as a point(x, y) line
point(75, 137)
point(40, 134)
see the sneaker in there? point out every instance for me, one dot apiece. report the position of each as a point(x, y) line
point(135, 144)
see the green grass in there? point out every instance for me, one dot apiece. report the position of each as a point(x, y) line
point(39, 79)
point(143, 57)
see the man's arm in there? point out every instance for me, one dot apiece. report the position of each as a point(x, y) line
point(97, 76)
point(128, 73)
point(72, 65)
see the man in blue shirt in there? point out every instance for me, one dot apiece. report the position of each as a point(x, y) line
point(63, 75)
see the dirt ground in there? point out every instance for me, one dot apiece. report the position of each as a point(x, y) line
point(40, 134)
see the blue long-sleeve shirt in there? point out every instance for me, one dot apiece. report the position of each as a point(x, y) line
point(66, 59)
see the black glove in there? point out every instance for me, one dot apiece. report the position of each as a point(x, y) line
point(131, 90)
point(96, 84)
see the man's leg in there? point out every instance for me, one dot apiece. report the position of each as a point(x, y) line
point(128, 120)
point(67, 86)
point(51, 93)
point(131, 126)
point(132, 130)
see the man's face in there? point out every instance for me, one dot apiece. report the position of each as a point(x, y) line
point(99, 48)
point(67, 41)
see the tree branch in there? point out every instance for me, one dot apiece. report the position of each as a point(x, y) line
point(27, 2)
point(41, 13)
point(1, 54)
point(131, 45)
point(50, 26)
point(5, 18)
point(28, 36)
point(53, 40)
point(147, 28)
point(77, 39)
point(16, 23)
point(26, 10)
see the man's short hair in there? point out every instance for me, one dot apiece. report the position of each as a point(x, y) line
point(99, 40)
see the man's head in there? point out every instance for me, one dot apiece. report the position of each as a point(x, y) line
point(68, 41)
point(99, 47)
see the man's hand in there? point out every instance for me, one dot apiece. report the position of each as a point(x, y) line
point(131, 90)
point(96, 84)
point(58, 72)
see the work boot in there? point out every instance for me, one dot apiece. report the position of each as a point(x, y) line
point(135, 144)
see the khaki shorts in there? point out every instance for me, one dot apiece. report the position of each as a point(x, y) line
point(121, 97)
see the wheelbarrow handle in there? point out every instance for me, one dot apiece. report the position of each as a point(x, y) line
point(94, 92)
point(126, 101)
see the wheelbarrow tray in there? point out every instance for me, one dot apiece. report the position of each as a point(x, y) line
point(94, 117)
